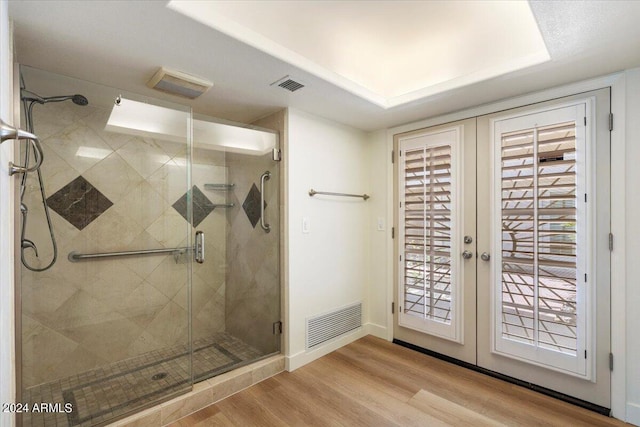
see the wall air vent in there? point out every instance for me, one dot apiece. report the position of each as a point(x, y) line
point(327, 326)
point(179, 83)
point(289, 84)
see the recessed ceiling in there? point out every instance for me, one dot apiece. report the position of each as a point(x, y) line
point(391, 52)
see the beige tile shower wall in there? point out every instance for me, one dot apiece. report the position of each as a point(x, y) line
point(79, 316)
point(253, 275)
point(252, 301)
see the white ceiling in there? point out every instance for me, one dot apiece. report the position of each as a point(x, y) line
point(389, 53)
point(121, 44)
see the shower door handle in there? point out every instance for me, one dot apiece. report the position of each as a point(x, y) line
point(199, 247)
point(10, 132)
point(265, 177)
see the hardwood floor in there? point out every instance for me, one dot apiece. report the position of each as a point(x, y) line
point(372, 382)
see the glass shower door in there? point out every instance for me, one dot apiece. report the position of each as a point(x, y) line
point(106, 329)
point(236, 290)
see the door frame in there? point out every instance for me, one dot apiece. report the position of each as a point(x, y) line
point(10, 114)
point(617, 83)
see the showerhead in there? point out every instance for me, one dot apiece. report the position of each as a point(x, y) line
point(79, 100)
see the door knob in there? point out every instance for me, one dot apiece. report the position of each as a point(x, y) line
point(467, 254)
point(485, 256)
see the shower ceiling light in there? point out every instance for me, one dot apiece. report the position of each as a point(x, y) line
point(234, 139)
point(179, 83)
point(140, 119)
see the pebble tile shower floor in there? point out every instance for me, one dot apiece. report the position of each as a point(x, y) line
point(101, 394)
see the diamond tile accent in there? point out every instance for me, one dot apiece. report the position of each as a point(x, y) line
point(79, 202)
point(251, 205)
point(202, 206)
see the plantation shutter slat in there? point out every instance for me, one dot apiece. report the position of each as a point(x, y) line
point(427, 221)
point(539, 234)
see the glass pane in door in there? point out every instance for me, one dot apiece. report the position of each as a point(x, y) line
point(105, 328)
point(236, 289)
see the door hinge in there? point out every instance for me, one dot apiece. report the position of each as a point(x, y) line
point(585, 354)
point(611, 361)
point(400, 258)
point(393, 232)
point(585, 277)
point(585, 197)
point(393, 307)
point(610, 242)
point(277, 327)
point(585, 121)
point(610, 122)
point(393, 156)
point(277, 155)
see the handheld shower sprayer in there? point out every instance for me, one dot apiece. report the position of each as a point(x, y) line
point(29, 99)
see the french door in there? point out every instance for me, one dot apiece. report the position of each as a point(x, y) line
point(436, 200)
point(524, 231)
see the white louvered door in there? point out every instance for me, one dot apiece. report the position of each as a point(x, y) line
point(436, 284)
point(525, 193)
point(546, 286)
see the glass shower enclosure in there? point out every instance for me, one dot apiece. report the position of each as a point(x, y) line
point(166, 250)
point(234, 190)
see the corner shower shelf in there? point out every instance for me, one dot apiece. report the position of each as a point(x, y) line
point(219, 187)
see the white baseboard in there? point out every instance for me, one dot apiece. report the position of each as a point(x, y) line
point(633, 413)
point(376, 330)
point(302, 358)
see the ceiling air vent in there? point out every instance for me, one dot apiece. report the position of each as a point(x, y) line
point(179, 83)
point(288, 83)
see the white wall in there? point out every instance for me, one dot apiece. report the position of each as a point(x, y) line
point(632, 249)
point(329, 266)
point(7, 350)
point(380, 163)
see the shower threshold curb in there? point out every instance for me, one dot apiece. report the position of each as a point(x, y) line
point(205, 393)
